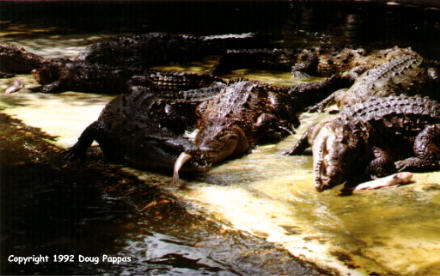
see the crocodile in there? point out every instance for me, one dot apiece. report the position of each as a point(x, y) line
point(17, 60)
point(67, 75)
point(374, 139)
point(242, 115)
point(146, 129)
point(406, 73)
point(329, 60)
point(153, 49)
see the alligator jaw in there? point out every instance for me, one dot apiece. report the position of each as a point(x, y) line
point(181, 160)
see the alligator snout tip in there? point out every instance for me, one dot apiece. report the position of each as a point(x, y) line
point(320, 188)
point(180, 161)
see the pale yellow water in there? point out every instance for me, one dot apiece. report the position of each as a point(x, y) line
point(392, 230)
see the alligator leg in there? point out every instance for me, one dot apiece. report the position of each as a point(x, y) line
point(331, 99)
point(301, 144)
point(84, 141)
point(321, 92)
point(382, 164)
point(53, 87)
point(322, 104)
point(426, 149)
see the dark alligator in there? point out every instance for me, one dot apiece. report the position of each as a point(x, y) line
point(153, 49)
point(145, 128)
point(374, 139)
point(106, 66)
point(16, 60)
point(242, 115)
point(82, 76)
point(65, 75)
point(406, 73)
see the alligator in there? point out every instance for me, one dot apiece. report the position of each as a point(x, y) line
point(146, 129)
point(327, 60)
point(324, 61)
point(242, 115)
point(153, 49)
point(16, 60)
point(407, 74)
point(66, 75)
point(374, 139)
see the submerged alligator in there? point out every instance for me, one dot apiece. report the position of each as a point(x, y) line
point(374, 139)
point(405, 74)
point(145, 128)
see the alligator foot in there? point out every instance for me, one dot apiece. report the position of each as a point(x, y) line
point(382, 164)
point(78, 150)
point(301, 144)
point(426, 149)
point(48, 88)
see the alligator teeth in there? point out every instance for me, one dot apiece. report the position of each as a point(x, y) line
point(181, 160)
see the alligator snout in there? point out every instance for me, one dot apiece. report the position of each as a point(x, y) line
point(198, 162)
point(211, 150)
point(328, 158)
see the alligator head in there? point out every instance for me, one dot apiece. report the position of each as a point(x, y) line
point(50, 71)
point(333, 155)
point(212, 148)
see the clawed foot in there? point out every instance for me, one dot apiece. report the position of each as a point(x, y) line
point(416, 164)
point(401, 165)
point(72, 154)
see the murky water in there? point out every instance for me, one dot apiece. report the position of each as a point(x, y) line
point(246, 216)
